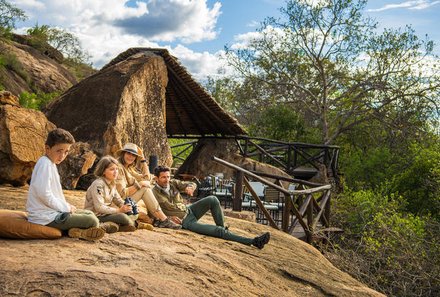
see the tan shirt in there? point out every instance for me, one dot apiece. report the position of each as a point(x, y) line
point(101, 195)
point(128, 177)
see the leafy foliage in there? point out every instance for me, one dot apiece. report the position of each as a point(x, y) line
point(327, 61)
point(10, 62)
point(386, 248)
point(36, 100)
point(9, 15)
point(63, 41)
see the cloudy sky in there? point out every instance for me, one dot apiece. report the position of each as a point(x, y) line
point(195, 31)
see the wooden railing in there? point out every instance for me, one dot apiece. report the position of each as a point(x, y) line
point(308, 205)
point(298, 159)
point(292, 157)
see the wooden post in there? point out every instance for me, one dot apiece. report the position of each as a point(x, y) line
point(286, 212)
point(238, 191)
point(309, 233)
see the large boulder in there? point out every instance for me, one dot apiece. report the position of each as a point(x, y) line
point(77, 163)
point(23, 133)
point(200, 163)
point(122, 103)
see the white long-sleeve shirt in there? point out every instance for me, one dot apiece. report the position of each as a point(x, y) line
point(45, 198)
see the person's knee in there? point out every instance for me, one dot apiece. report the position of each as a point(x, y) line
point(126, 220)
point(90, 220)
point(213, 200)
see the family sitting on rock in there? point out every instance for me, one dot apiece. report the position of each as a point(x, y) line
point(106, 211)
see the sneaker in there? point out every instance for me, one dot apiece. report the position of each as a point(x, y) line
point(127, 228)
point(109, 227)
point(91, 234)
point(145, 226)
point(167, 223)
point(261, 240)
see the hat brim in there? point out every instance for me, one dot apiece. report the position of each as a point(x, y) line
point(133, 152)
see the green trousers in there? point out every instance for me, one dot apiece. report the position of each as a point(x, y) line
point(118, 218)
point(81, 218)
point(198, 209)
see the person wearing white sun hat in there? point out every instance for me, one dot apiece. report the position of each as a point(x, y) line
point(134, 182)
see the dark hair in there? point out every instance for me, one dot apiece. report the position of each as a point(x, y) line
point(121, 158)
point(160, 169)
point(58, 136)
point(103, 164)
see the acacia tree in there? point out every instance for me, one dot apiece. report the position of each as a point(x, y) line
point(9, 15)
point(327, 61)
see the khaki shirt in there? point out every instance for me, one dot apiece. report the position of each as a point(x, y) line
point(101, 195)
point(172, 203)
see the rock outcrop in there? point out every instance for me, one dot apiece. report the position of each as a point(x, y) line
point(121, 103)
point(29, 70)
point(200, 163)
point(165, 262)
point(23, 133)
point(79, 160)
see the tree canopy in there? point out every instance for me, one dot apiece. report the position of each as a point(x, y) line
point(328, 62)
point(9, 15)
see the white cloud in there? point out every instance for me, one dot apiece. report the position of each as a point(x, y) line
point(201, 65)
point(108, 27)
point(413, 4)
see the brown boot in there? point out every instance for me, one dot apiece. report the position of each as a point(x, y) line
point(127, 228)
point(91, 234)
point(109, 227)
point(144, 226)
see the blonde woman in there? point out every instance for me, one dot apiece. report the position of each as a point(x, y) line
point(104, 200)
point(134, 181)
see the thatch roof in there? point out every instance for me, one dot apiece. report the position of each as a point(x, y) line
point(190, 110)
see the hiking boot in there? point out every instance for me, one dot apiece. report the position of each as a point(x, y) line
point(145, 226)
point(261, 240)
point(167, 223)
point(109, 227)
point(91, 234)
point(127, 228)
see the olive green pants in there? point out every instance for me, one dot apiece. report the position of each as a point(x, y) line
point(198, 209)
point(81, 218)
point(121, 219)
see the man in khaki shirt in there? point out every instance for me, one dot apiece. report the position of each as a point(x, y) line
point(167, 193)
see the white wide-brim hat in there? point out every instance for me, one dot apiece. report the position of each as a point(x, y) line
point(131, 148)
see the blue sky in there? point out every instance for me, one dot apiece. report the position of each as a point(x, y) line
point(195, 31)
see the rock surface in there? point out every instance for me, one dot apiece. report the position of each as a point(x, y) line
point(122, 103)
point(23, 133)
point(29, 70)
point(77, 163)
point(166, 262)
point(200, 163)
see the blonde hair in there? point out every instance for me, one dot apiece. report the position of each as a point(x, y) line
point(103, 164)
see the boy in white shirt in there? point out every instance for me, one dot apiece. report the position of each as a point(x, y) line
point(46, 204)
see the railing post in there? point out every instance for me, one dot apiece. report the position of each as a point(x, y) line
point(286, 212)
point(309, 221)
point(238, 191)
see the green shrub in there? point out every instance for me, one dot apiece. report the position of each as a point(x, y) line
point(419, 179)
point(383, 246)
point(36, 100)
point(10, 62)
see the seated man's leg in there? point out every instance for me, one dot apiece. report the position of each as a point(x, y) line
point(191, 223)
point(202, 206)
point(82, 219)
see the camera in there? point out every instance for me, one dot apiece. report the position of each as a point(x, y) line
point(134, 208)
